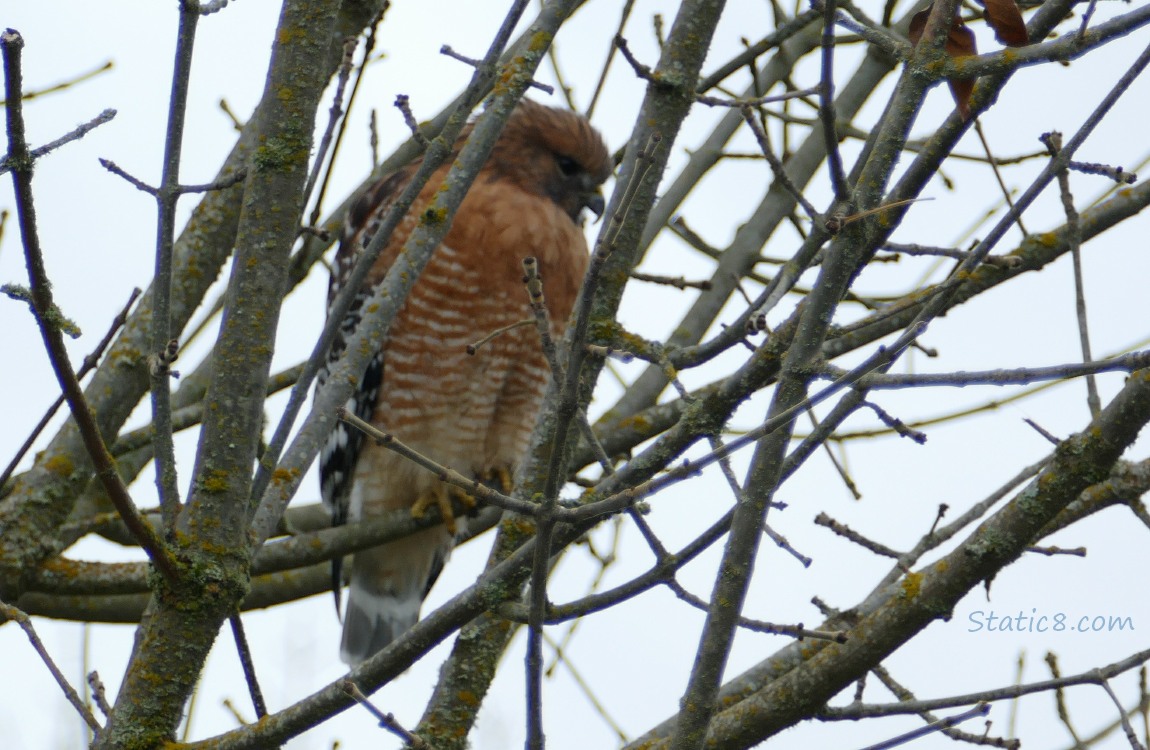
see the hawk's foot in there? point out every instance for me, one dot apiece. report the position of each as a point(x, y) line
point(441, 496)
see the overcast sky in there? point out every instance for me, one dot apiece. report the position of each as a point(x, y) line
point(98, 233)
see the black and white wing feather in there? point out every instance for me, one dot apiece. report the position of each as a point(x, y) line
point(341, 451)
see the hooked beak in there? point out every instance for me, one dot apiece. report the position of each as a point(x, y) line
point(594, 203)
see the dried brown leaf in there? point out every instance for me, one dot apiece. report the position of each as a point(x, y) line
point(959, 43)
point(1006, 20)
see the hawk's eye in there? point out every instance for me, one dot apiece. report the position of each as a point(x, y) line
point(567, 165)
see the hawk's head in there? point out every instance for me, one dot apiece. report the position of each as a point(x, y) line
point(555, 153)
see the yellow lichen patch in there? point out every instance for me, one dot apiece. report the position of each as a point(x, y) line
point(637, 422)
point(60, 465)
point(284, 475)
point(216, 481)
point(911, 585)
point(539, 41)
point(289, 34)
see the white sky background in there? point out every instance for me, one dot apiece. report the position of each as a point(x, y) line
point(98, 234)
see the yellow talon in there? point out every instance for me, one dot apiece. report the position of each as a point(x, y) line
point(502, 477)
point(441, 496)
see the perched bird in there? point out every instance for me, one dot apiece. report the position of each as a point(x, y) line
point(473, 413)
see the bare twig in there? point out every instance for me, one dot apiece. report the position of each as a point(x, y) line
point(533, 282)
point(1052, 551)
point(827, 106)
point(857, 711)
point(167, 196)
point(87, 366)
point(998, 176)
point(80, 78)
point(368, 47)
point(895, 423)
point(99, 694)
point(8, 612)
point(79, 132)
point(677, 282)
point(776, 164)
point(137, 183)
point(1053, 143)
point(1060, 695)
point(472, 487)
point(982, 709)
point(758, 101)
point(1118, 174)
point(626, 13)
point(448, 51)
point(1127, 728)
point(403, 104)
point(1000, 261)
point(42, 303)
point(386, 721)
point(474, 347)
point(249, 667)
point(1003, 377)
point(822, 519)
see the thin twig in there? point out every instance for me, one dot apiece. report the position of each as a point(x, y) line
point(544, 525)
point(533, 282)
point(167, 196)
point(998, 176)
point(222, 184)
point(403, 104)
point(758, 101)
point(599, 706)
point(1053, 143)
point(86, 366)
point(226, 108)
point(137, 183)
point(386, 721)
point(249, 667)
point(841, 529)
point(677, 282)
point(42, 304)
point(99, 694)
point(81, 78)
point(827, 106)
point(906, 696)
point(1003, 377)
point(8, 612)
point(999, 261)
point(776, 164)
point(472, 487)
point(79, 132)
point(1127, 728)
point(839, 468)
point(859, 711)
point(610, 58)
point(982, 709)
point(448, 51)
point(335, 115)
point(1118, 174)
point(1060, 696)
point(1052, 551)
point(474, 347)
point(368, 46)
point(895, 423)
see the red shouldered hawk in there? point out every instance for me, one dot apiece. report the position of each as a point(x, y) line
point(473, 413)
